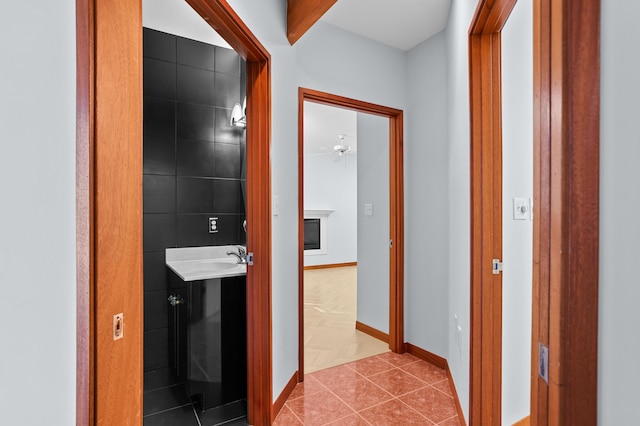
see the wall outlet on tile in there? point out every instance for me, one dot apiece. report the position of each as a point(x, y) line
point(213, 225)
point(368, 209)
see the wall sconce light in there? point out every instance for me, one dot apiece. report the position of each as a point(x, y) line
point(239, 115)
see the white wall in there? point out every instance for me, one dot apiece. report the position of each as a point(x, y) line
point(427, 198)
point(373, 230)
point(459, 190)
point(332, 184)
point(619, 316)
point(37, 218)
point(517, 235)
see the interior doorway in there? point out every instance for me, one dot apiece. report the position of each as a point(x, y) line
point(109, 223)
point(565, 242)
point(396, 208)
point(346, 254)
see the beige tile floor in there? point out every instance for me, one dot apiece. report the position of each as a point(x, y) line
point(330, 336)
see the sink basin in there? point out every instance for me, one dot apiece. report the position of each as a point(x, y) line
point(203, 266)
point(203, 263)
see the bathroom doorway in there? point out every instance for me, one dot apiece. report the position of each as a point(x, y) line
point(393, 239)
point(109, 221)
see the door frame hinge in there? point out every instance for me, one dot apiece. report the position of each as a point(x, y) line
point(497, 266)
point(249, 258)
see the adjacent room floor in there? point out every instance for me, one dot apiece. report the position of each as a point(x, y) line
point(330, 336)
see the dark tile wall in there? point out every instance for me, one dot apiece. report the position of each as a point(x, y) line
point(193, 170)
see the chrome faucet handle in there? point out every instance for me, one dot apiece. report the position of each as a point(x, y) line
point(242, 251)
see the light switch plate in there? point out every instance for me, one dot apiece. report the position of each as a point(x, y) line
point(368, 209)
point(521, 208)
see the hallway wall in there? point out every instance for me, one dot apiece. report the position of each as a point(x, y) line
point(373, 230)
point(37, 218)
point(618, 338)
point(459, 192)
point(427, 198)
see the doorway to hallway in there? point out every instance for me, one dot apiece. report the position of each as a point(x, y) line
point(393, 239)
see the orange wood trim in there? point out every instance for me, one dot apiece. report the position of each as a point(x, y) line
point(455, 397)
point(425, 355)
point(396, 233)
point(373, 332)
point(523, 422)
point(221, 17)
point(486, 212)
point(541, 203)
point(226, 22)
point(284, 395)
point(117, 211)
point(490, 16)
point(396, 202)
point(301, 233)
point(344, 102)
point(330, 265)
point(302, 14)
point(85, 36)
point(567, 107)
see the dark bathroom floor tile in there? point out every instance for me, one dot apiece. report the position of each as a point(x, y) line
point(224, 414)
point(161, 378)
point(243, 421)
point(164, 399)
point(183, 416)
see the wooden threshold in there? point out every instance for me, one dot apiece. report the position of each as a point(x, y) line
point(330, 265)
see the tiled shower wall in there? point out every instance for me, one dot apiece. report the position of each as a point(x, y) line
point(193, 169)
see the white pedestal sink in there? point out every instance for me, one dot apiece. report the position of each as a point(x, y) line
point(203, 263)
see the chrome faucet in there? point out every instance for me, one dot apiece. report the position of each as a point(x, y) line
point(241, 255)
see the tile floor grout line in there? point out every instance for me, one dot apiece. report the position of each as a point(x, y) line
point(196, 414)
point(294, 414)
point(167, 409)
point(447, 419)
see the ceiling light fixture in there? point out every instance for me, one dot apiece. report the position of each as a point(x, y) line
point(341, 148)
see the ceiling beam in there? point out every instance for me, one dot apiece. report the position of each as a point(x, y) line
point(302, 14)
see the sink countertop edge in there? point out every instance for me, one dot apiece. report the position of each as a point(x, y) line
point(179, 258)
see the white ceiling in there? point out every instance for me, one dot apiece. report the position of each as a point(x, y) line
point(402, 24)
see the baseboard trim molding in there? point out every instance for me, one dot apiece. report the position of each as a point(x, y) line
point(439, 362)
point(380, 335)
point(425, 355)
point(524, 422)
point(330, 265)
point(286, 392)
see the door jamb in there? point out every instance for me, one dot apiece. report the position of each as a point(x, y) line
point(229, 25)
point(396, 203)
point(566, 209)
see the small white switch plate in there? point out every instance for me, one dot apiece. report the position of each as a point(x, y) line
point(368, 209)
point(276, 205)
point(521, 208)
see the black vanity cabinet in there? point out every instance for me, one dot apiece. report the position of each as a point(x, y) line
point(216, 341)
